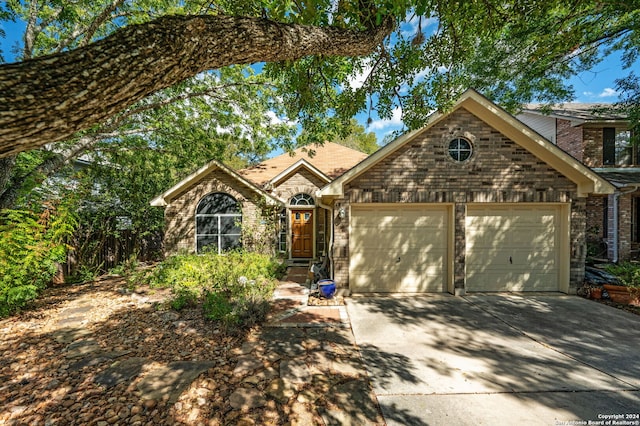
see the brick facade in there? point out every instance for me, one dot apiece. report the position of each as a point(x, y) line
point(596, 226)
point(301, 182)
point(570, 138)
point(500, 171)
point(180, 213)
point(592, 144)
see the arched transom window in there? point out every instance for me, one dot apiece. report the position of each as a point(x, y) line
point(302, 200)
point(218, 219)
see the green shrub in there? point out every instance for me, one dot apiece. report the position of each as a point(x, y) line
point(627, 272)
point(217, 306)
point(184, 297)
point(234, 287)
point(32, 245)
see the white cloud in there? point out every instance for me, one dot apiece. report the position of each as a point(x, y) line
point(273, 118)
point(395, 120)
point(608, 93)
point(409, 28)
point(356, 81)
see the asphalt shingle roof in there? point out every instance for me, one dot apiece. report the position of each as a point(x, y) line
point(578, 111)
point(330, 158)
point(620, 178)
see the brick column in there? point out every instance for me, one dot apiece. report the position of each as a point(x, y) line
point(340, 256)
point(578, 243)
point(459, 255)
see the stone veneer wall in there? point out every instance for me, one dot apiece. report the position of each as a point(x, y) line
point(500, 171)
point(180, 213)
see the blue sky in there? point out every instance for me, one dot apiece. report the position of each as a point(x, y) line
point(595, 85)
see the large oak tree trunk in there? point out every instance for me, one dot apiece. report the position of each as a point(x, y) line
point(50, 98)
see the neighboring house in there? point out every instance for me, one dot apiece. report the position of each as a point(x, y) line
point(473, 201)
point(602, 141)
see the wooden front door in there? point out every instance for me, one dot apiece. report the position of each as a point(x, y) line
point(302, 233)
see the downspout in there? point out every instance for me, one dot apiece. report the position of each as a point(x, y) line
point(616, 197)
point(330, 245)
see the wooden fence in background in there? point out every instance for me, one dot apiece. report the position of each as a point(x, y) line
point(108, 251)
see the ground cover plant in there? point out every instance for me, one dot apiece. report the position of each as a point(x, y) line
point(233, 288)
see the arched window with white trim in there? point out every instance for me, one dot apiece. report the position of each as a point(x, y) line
point(218, 223)
point(302, 200)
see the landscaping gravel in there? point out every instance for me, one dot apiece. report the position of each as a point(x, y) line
point(97, 354)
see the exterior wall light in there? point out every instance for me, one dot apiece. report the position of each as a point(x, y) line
point(342, 213)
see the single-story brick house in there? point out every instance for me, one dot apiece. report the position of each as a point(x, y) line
point(207, 207)
point(473, 201)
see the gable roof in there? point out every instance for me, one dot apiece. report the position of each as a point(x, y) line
point(331, 159)
point(295, 167)
point(578, 113)
point(586, 180)
point(194, 178)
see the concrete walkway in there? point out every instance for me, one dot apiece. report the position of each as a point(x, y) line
point(292, 309)
point(316, 351)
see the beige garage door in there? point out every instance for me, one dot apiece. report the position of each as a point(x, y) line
point(512, 248)
point(398, 248)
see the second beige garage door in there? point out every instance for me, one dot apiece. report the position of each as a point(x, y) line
point(512, 248)
point(398, 248)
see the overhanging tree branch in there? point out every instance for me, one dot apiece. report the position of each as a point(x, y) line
point(48, 99)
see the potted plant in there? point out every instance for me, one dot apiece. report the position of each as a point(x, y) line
point(627, 291)
point(595, 293)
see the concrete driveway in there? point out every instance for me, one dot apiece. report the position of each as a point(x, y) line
point(499, 359)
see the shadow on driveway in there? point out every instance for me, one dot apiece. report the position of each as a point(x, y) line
point(546, 358)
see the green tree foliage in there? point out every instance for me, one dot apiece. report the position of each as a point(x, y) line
point(32, 246)
point(358, 138)
point(513, 51)
point(353, 135)
point(629, 104)
point(230, 114)
point(126, 172)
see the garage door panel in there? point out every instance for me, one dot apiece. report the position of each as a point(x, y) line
point(508, 281)
point(398, 249)
point(512, 249)
point(431, 264)
point(388, 282)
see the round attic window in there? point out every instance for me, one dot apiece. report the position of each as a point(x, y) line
point(460, 149)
